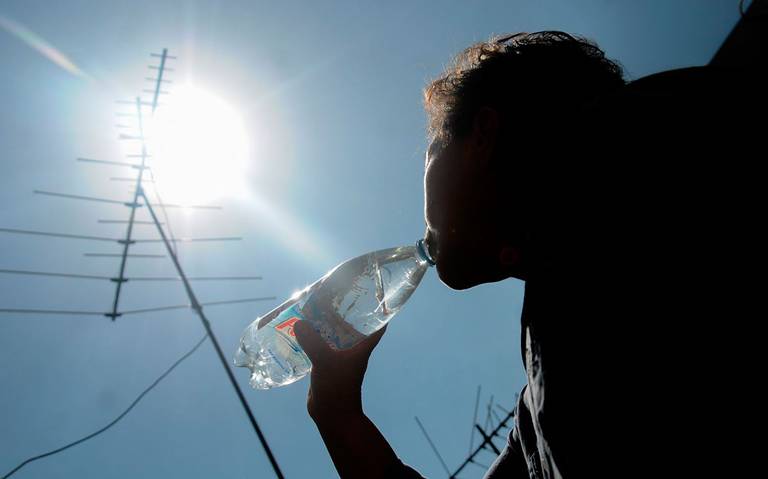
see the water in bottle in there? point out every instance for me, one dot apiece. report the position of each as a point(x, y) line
point(352, 301)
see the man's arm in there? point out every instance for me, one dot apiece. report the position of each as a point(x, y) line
point(356, 446)
point(358, 449)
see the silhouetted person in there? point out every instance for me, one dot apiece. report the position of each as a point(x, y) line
point(605, 198)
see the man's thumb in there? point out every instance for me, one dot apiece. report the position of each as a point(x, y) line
point(311, 342)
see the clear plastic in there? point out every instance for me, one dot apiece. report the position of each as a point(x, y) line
point(352, 301)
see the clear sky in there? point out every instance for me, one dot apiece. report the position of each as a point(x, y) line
point(330, 96)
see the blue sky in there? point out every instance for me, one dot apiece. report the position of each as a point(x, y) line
point(331, 94)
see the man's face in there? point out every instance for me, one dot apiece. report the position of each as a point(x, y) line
point(464, 212)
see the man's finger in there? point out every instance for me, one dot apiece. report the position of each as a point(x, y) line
point(311, 342)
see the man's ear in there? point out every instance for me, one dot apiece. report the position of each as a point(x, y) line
point(485, 130)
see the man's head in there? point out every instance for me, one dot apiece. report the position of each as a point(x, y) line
point(493, 114)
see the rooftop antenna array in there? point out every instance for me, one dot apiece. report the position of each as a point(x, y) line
point(137, 162)
point(495, 422)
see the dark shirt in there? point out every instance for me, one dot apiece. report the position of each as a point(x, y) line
point(624, 330)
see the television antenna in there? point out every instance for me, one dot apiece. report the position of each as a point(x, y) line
point(137, 162)
point(495, 423)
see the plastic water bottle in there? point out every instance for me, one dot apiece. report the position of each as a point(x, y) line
point(353, 300)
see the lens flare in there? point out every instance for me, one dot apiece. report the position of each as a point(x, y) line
point(198, 147)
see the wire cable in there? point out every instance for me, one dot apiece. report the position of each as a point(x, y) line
point(114, 421)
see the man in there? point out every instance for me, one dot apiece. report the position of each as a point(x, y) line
point(544, 166)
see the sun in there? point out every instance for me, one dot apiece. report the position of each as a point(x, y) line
point(198, 148)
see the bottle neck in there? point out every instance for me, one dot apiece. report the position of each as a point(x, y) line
point(423, 251)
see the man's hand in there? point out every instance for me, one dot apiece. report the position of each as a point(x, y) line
point(337, 375)
point(356, 446)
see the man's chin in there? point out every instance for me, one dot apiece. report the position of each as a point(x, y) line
point(460, 280)
point(456, 280)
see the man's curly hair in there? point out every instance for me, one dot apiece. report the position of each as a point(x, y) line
point(529, 78)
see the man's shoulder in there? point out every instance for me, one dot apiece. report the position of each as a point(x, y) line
point(690, 92)
point(683, 79)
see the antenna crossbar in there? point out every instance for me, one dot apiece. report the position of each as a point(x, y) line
point(58, 235)
point(125, 279)
point(194, 207)
point(121, 178)
point(116, 255)
point(190, 240)
point(125, 222)
point(80, 197)
point(66, 312)
point(46, 273)
point(117, 163)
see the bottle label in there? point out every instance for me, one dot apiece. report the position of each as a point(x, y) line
point(285, 323)
point(286, 327)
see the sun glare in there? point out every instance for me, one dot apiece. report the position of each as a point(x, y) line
point(198, 147)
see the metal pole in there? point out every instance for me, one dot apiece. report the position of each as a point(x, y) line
point(197, 307)
point(128, 241)
point(429, 440)
point(474, 421)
